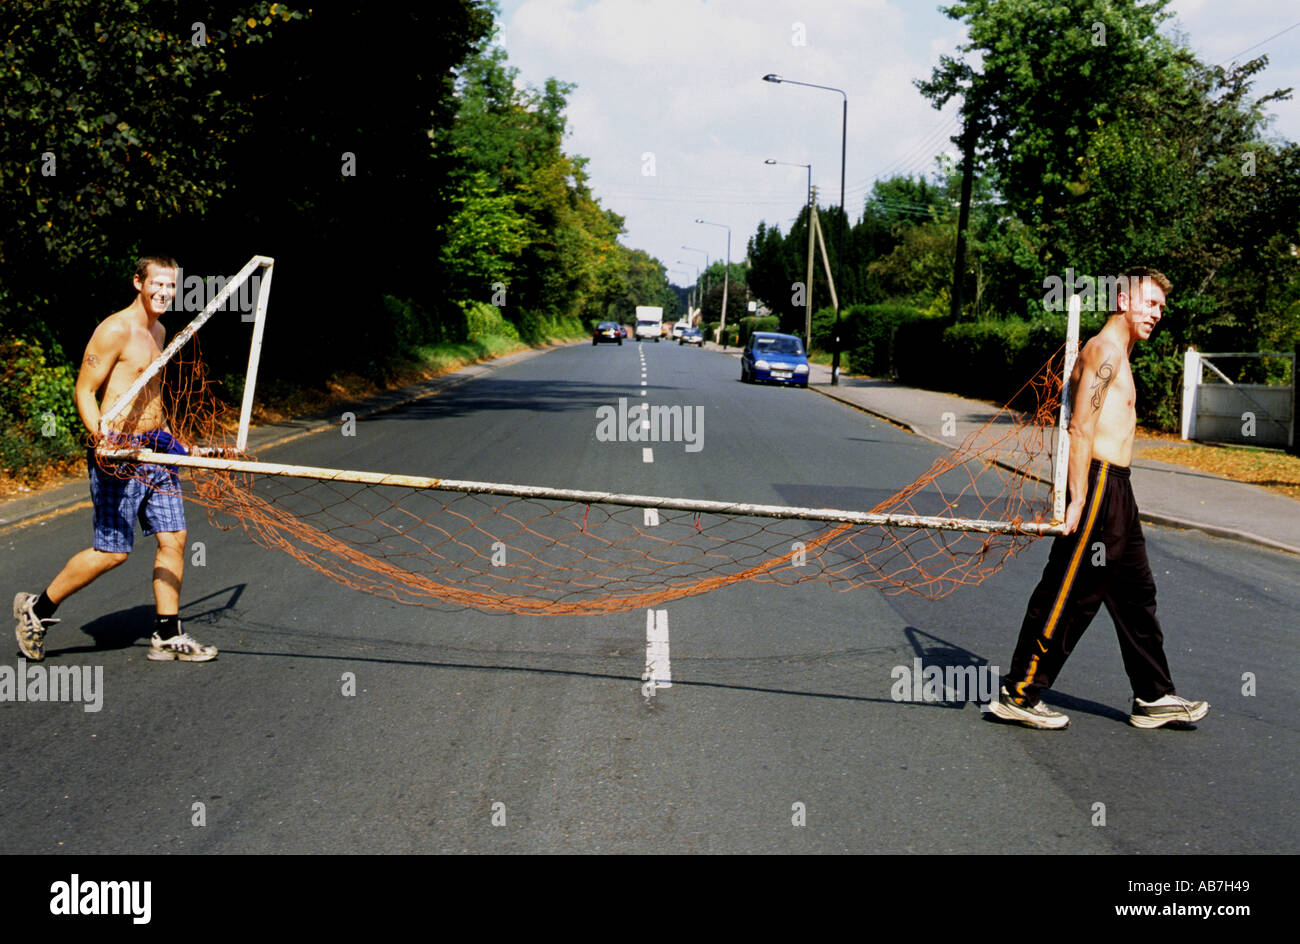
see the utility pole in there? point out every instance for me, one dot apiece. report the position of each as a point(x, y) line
point(808, 283)
point(963, 218)
point(726, 278)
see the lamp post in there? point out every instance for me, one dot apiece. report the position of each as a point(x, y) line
point(684, 271)
point(726, 278)
point(705, 283)
point(839, 249)
point(681, 262)
point(807, 316)
point(788, 164)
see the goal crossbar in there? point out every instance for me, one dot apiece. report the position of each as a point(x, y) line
point(587, 497)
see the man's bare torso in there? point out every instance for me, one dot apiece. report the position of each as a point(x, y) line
point(141, 347)
point(1111, 388)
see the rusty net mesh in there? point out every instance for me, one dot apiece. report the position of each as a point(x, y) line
point(506, 553)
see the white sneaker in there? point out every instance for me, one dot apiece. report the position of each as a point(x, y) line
point(182, 648)
point(28, 628)
point(1166, 709)
point(1036, 716)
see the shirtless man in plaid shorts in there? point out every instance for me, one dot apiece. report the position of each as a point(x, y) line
point(122, 347)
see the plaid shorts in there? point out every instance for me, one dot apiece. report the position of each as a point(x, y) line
point(121, 491)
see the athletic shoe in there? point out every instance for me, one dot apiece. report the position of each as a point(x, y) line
point(1166, 709)
point(1031, 716)
point(182, 648)
point(29, 629)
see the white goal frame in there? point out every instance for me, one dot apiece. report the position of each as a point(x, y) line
point(254, 265)
point(201, 458)
point(1061, 462)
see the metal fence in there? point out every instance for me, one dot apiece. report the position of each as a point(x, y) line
point(1222, 410)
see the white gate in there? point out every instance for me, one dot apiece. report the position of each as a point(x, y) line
point(1224, 411)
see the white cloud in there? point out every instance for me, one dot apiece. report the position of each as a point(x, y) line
point(682, 79)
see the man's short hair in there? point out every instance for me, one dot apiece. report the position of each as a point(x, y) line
point(142, 265)
point(1138, 273)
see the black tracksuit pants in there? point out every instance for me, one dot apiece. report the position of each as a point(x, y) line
point(1103, 561)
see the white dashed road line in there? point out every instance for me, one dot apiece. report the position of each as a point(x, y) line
point(658, 669)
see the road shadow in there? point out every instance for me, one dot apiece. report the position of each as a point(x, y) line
point(124, 628)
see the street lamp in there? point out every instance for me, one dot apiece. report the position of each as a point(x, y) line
point(788, 164)
point(844, 215)
point(682, 262)
point(704, 284)
point(807, 318)
point(726, 277)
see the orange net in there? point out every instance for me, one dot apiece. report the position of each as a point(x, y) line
point(529, 554)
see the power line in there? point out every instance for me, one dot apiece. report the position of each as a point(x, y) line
point(1261, 42)
point(920, 152)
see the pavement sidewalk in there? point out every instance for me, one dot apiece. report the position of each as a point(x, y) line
point(1170, 495)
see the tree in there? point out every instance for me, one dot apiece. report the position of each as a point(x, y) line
point(115, 119)
point(1050, 71)
point(339, 177)
point(1187, 182)
point(643, 281)
point(777, 267)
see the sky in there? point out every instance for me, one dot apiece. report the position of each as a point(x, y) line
point(670, 109)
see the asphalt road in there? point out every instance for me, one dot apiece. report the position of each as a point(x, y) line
point(485, 732)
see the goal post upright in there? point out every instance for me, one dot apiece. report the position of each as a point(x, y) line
point(255, 350)
point(1061, 465)
point(189, 331)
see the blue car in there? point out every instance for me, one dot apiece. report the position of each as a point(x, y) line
point(778, 358)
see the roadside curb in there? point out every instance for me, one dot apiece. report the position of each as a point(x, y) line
point(1214, 530)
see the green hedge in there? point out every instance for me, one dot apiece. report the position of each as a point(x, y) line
point(868, 335)
point(37, 411)
point(710, 328)
point(993, 360)
point(752, 323)
point(538, 327)
point(1158, 378)
point(482, 319)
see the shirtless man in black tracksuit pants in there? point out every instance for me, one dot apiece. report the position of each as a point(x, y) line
point(1100, 514)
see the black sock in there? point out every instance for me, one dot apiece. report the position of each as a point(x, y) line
point(167, 626)
point(44, 607)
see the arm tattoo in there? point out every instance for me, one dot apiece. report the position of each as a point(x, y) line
point(92, 359)
point(1105, 373)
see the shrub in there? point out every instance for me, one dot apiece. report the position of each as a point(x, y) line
point(868, 334)
point(482, 319)
point(751, 323)
point(37, 411)
point(917, 353)
point(1158, 379)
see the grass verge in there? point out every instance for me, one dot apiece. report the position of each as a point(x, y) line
point(1271, 468)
